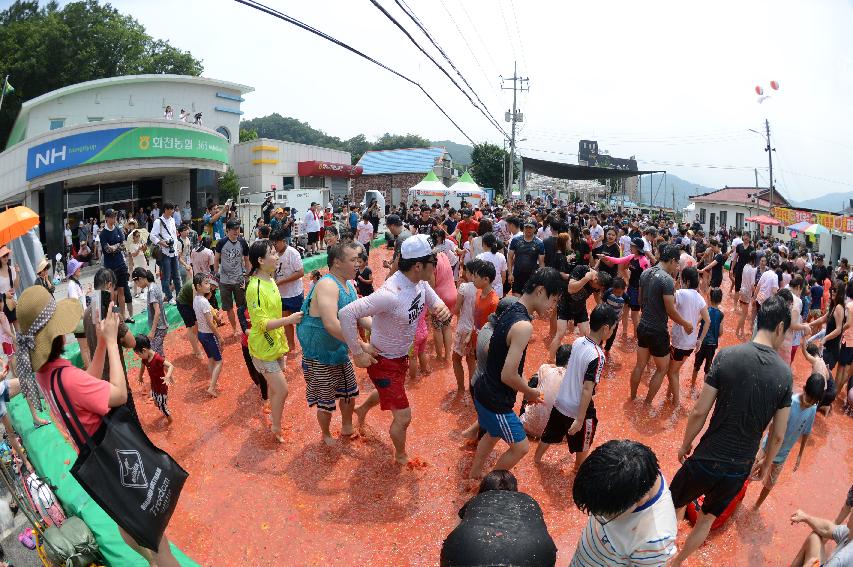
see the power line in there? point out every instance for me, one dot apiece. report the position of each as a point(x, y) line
point(468, 45)
point(506, 27)
point(409, 12)
point(518, 33)
point(479, 37)
point(284, 17)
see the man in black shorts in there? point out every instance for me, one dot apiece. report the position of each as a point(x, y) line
point(657, 297)
point(112, 243)
point(743, 250)
point(716, 265)
point(748, 386)
point(571, 308)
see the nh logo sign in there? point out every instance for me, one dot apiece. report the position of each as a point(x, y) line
point(49, 157)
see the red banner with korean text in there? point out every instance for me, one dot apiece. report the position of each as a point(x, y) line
point(828, 220)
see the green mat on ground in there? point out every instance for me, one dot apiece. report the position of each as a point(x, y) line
point(52, 456)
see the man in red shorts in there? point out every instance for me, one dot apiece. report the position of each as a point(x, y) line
point(395, 309)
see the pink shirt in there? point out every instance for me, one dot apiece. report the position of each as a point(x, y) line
point(445, 287)
point(89, 396)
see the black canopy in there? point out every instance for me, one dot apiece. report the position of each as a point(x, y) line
point(560, 170)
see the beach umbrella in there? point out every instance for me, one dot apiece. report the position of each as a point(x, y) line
point(765, 220)
point(816, 229)
point(16, 222)
point(798, 227)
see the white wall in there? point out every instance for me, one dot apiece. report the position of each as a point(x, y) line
point(142, 100)
point(731, 216)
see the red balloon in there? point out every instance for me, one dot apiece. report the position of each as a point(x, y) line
point(794, 234)
point(774, 85)
point(758, 90)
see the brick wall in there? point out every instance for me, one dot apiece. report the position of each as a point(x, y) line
point(383, 183)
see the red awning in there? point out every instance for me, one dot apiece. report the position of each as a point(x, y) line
point(323, 168)
point(764, 220)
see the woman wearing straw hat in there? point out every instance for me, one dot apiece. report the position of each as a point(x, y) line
point(42, 277)
point(44, 323)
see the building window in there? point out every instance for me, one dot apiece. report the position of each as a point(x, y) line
point(95, 118)
point(738, 220)
point(312, 182)
point(780, 229)
point(224, 131)
point(287, 183)
point(702, 216)
point(724, 217)
point(57, 123)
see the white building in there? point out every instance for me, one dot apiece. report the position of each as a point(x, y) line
point(273, 166)
point(108, 144)
point(731, 206)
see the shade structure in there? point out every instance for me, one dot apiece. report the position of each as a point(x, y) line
point(816, 229)
point(16, 222)
point(799, 227)
point(765, 220)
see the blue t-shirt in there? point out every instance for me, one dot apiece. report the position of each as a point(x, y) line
point(353, 220)
point(807, 305)
point(817, 295)
point(800, 422)
point(218, 225)
point(112, 260)
point(713, 336)
point(617, 302)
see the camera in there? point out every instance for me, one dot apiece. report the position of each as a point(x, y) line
point(171, 245)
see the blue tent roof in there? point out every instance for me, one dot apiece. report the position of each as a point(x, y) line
point(412, 160)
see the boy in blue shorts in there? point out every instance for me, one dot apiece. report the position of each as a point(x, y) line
point(709, 345)
point(800, 420)
point(496, 390)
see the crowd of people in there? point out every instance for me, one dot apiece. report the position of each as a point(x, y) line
point(495, 270)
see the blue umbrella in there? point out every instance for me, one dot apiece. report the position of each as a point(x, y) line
point(799, 227)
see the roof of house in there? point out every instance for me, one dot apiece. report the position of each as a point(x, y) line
point(409, 160)
point(743, 196)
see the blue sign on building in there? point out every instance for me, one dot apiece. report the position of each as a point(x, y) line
point(68, 151)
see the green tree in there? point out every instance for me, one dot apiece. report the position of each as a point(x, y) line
point(248, 135)
point(229, 186)
point(46, 48)
point(489, 163)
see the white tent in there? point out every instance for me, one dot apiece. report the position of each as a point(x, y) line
point(466, 189)
point(429, 188)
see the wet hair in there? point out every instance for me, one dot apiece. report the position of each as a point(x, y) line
point(614, 477)
point(277, 235)
point(772, 312)
point(205, 242)
point(618, 283)
point(548, 278)
point(490, 241)
point(264, 231)
point(232, 224)
point(602, 315)
point(604, 280)
point(499, 480)
point(786, 295)
point(258, 250)
point(141, 272)
point(336, 251)
point(796, 281)
point(668, 253)
point(690, 276)
point(815, 387)
point(142, 342)
point(563, 354)
point(316, 275)
point(104, 277)
point(813, 349)
point(716, 295)
point(199, 279)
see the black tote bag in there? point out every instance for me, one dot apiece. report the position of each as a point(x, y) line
point(134, 482)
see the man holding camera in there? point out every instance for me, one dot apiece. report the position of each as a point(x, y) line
point(164, 234)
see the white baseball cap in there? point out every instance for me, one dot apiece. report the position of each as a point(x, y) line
point(416, 246)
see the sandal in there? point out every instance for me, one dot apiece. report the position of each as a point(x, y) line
point(26, 538)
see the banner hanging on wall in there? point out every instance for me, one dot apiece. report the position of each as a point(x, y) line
point(123, 143)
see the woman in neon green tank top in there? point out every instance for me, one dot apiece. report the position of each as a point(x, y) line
point(267, 343)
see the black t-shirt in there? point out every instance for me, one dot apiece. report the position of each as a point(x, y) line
point(717, 270)
point(584, 252)
point(424, 226)
point(526, 254)
point(364, 289)
point(634, 273)
point(820, 273)
point(550, 245)
point(609, 250)
point(578, 299)
point(743, 253)
point(752, 383)
point(655, 283)
point(490, 390)
point(500, 527)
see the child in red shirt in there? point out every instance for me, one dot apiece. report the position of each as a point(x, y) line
point(159, 371)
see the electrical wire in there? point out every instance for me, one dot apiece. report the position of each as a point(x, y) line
point(506, 27)
point(410, 13)
point(468, 45)
point(284, 17)
point(479, 37)
point(518, 34)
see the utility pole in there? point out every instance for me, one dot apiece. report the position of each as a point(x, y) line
point(769, 151)
point(756, 178)
point(514, 116)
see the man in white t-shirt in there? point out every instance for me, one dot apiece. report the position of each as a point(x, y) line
point(313, 222)
point(288, 278)
point(631, 515)
point(596, 232)
point(395, 309)
point(364, 233)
